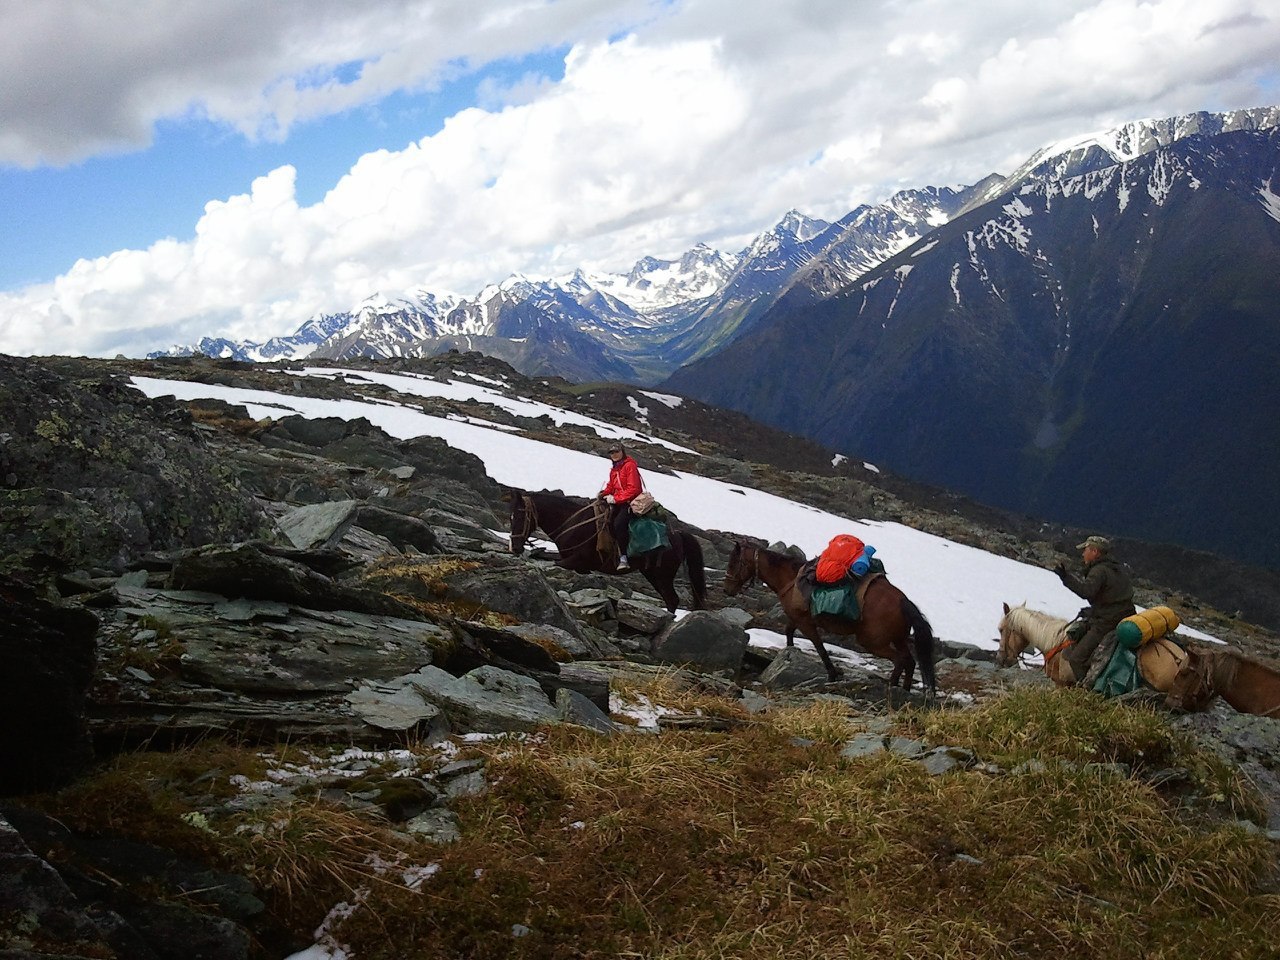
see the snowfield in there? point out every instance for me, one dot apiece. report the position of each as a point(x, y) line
point(959, 588)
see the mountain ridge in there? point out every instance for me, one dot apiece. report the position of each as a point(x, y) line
point(998, 339)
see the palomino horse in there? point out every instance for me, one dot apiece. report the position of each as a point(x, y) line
point(572, 525)
point(1159, 661)
point(1022, 627)
point(891, 626)
point(1246, 684)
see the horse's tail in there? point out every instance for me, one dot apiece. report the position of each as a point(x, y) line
point(922, 641)
point(693, 564)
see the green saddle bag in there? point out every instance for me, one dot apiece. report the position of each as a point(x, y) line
point(837, 601)
point(647, 535)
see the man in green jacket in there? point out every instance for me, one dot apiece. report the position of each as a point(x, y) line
point(1109, 590)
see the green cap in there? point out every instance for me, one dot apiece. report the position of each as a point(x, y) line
point(1102, 543)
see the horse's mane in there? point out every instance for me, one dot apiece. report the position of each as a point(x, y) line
point(1035, 625)
point(777, 556)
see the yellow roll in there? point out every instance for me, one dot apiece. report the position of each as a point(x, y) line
point(1154, 623)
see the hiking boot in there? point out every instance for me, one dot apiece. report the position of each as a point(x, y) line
point(623, 564)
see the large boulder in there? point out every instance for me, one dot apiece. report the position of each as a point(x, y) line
point(791, 668)
point(96, 474)
point(703, 641)
point(46, 666)
point(400, 528)
point(38, 912)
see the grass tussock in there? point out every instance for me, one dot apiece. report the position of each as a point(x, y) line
point(750, 844)
point(673, 691)
point(239, 426)
point(309, 855)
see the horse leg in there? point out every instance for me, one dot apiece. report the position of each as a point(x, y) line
point(904, 666)
point(815, 637)
point(666, 589)
point(791, 633)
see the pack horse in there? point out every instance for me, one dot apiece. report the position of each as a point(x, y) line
point(890, 625)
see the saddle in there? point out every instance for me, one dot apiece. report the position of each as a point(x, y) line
point(841, 599)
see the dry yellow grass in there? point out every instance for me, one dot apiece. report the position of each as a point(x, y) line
point(746, 845)
point(764, 843)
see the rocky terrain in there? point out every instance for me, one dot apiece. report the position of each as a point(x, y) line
point(342, 606)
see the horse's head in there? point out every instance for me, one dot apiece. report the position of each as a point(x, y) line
point(1012, 640)
point(742, 568)
point(524, 518)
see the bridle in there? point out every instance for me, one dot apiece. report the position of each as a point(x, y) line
point(530, 518)
point(755, 572)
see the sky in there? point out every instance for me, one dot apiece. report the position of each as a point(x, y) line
point(960, 589)
point(171, 170)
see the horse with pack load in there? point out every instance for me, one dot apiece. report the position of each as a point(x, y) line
point(888, 624)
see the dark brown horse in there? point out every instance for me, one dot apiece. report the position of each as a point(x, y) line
point(891, 626)
point(572, 525)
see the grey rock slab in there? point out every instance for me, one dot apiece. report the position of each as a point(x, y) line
point(642, 617)
point(135, 578)
point(754, 703)
point(316, 654)
point(863, 745)
point(246, 610)
point(437, 825)
point(942, 760)
point(400, 708)
point(564, 645)
point(457, 768)
point(318, 524)
point(735, 616)
point(400, 529)
point(906, 747)
point(573, 707)
point(468, 785)
point(486, 700)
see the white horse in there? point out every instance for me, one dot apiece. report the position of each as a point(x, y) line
point(1022, 627)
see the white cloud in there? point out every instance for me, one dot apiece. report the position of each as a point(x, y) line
point(705, 122)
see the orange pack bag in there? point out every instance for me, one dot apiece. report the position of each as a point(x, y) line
point(834, 561)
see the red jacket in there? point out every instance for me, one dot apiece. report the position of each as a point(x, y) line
point(624, 481)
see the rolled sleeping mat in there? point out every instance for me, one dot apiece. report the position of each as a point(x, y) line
point(1133, 632)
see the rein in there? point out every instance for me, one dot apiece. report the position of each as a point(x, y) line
point(532, 522)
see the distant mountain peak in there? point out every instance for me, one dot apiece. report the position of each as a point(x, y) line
point(799, 225)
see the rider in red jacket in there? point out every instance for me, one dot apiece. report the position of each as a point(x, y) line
point(623, 486)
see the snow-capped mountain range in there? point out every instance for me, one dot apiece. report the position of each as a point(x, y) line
point(1034, 349)
point(642, 324)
